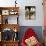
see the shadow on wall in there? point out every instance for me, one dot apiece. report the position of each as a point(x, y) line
point(37, 29)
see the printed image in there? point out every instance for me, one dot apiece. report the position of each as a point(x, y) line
point(30, 12)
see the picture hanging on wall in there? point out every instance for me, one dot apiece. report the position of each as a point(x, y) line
point(30, 12)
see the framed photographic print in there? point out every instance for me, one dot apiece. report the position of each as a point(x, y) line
point(30, 12)
point(5, 12)
point(13, 12)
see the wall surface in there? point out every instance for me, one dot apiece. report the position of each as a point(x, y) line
point(39, 13)
point(22, 4)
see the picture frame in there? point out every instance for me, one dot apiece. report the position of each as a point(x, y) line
point(30, 12)
point(5, 12)
point(12, 12)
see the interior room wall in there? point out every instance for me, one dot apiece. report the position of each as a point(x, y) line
point(35, 24)
point(22, 4)
point(39, 13)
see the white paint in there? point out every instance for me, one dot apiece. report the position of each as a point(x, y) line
point(22, 4)
point(12, 19)
point(39, 13)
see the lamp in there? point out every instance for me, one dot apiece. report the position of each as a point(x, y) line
point(15, 3)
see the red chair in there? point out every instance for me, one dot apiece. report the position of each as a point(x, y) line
point(29, 33)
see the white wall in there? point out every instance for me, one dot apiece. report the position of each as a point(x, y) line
point(22, 4)
point(39, 13)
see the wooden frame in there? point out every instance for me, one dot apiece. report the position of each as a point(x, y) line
point(5, 12)
point(30, 12)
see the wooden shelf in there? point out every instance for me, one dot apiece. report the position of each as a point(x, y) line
point(5, 8)
point(9, 43)
point(4, 13)
point(10, 26)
